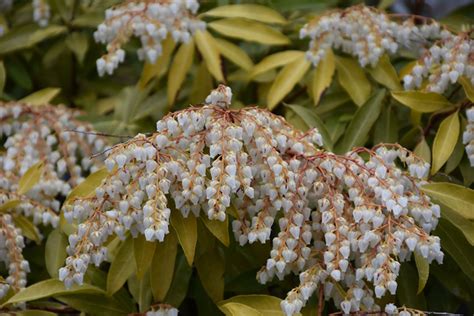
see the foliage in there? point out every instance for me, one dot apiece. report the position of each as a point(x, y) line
point(402, 79)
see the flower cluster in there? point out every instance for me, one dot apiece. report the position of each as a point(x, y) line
point(468, 135)
point(33, 135)
point(162, 310)
point(41, 12)
point(344, 221)
point(444, 63)
point(151, 21)
point(365, 33)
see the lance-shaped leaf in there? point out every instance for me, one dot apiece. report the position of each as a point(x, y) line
point(423, 268)
point(445, 141)
point(288, 77)
point(143, 251)
point(457, 197)
point(30, 178)
point(27, 227)
point(353, 79)
point(249, 30)
point(385, 74)
point(236, 309)
point(263, 304)
point(122, 267)
point(468, 88)
point(423, 151)
point(55, 252)
point(219, 229)
point(276, 60)
point(179, 68)
point(235, 54)
point(162, 267)
point(423, 102)
point(88, 186)
point(210, 267)
point(97, 304)
point(186, 229)
point(160, 67)
point(248, 11)
point(210, 53)
point(323, 74)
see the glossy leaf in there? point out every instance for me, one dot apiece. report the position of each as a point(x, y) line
point(264, 304)
point(28, 228)
point(249, 30)
point(353, 79)
point(30, 178)
point(143, 251)
point(179, 286)
point(362, 122)
point(55, 252)
point(210, 267)
point(160, 67)
point(237, 309)
point(162, 267)
point(285, 81)
point(468, 88)
point(41, 97)
point(247, 11)
point(78, 43)
point(122, 267)
point(276, 60)
point(186, 230)
point(423, 268)
point(88, 186)
point(445, 141)
point(141, 291)
point(423, 151)
point(460, 199)
point(180, 66)
point(210, 52)
point(97, 304)
point(234, 53)
point(423, 102)
point(219, 229)
point(386, 127)
point(3, 77)
point(322, 75)
point(9, 205)
point(385, 74)
point(464, 225)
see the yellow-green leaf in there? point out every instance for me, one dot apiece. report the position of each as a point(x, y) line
point(423, 102)
point(238, 309)
point(248, 11)
point(423, 151)
point(28, 229)
point(9, 205)
point(385, 74)
point(276, 60)
point(55, 252)
point(353, 79)
point(122, 267)
point(234, 53)
point(78, 43)
point(445, 141)
point(468, 88)
point(3, 77)
point(202, 83)
point(459, 198)
point(30, 178)
point(322, 76)
point(88, 186)
point(34, 312)
point(162, 267)
point(210, 53)
point(219, 229)
point(211, 267)
point(186, 229)
point(288, 77)
point(41, 97)
point(264, 304)
point(249, 31)
point(159, 68)
point(49, 288)
point(143, 251)
point(423, 268)
point(179, 68)
point(406, 70)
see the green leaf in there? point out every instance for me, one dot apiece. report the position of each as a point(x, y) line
point(234, 53)
point(9, 205)
point(407, 288)
point(460, 199)
point(353, 79)
point(276, 60)
point(30, 178)
point(311, 119)
point(456, 156)
point(141, 291)
point(160, 67)
point(162, 267)
point(207, 46)
point(468, 88)
point(424, 102)
point(202, 84)
point(385, 74)
point(362, 122)
point(219, 229)
point(386, 127)
point(264, 304)
point(423, 151)
point(322, 76)
point(210, 267)
point(27, 227)
point(288, 77)
point(3, 77)
point(237, 309)
point(55, 252)
point(180, 66)
point(179, 286)
point(49, 288)
point(143, 251)
point(41, 97)
point(465, 226)
point(423, 268)
point(78, 43)
point(94, 304)
point(122, 267)
point(249, 31)
point(248, 11)
point(87, 187)
point(186, 230)
point(445, 141)
point(27, 36)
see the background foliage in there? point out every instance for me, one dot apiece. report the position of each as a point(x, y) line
point(261, 57)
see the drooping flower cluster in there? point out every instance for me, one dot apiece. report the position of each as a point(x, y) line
point(33, 135)
point(344, 221)
point(444, 63)
point(162, 310)
point(41, 11)
point(151, 21)
point(468, 135)
point(365, 33)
